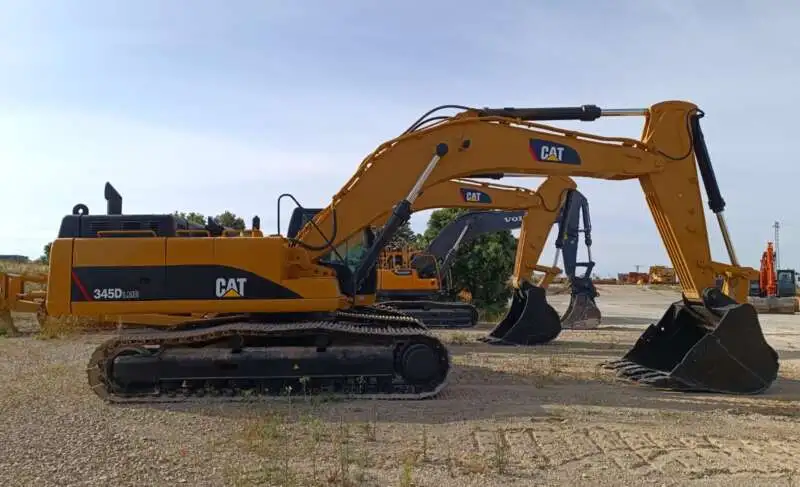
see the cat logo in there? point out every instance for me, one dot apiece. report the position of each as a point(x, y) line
point(230, 288)
point(472, 196)
point(475, 196)
point(546, 151)
point(551, 153)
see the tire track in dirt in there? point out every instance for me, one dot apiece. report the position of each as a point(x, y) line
point(634, 452)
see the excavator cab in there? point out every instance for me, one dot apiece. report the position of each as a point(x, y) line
point(345, 258)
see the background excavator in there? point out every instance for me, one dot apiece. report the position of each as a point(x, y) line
point(775, 290)
point(416, 283)
point(298, 316)
point(435, 261)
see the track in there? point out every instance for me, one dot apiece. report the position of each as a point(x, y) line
point(438, 314)
point(372, 353)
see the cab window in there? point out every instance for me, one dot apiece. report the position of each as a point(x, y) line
point(349, 252)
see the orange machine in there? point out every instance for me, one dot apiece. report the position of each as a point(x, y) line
point(767, 280)
point(775, 290)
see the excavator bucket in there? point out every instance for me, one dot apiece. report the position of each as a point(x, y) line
point(530, 320)
point(582, 312)
point(714, 347)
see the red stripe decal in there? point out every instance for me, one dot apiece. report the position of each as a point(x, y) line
point(82, 289)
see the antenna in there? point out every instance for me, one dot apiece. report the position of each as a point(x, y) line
point(777, 227)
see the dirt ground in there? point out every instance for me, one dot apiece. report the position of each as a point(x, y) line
point(539, 416)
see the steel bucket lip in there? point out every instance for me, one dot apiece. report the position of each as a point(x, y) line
point(752, 362)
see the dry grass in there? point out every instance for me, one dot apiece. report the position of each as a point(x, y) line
point(509, 417)
point(22, 268)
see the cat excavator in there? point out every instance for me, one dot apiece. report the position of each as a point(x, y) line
point(298, 315)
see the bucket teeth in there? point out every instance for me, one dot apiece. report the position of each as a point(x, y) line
point(713, 346)
point(582, 312)
point(530, 320)
point(615, 364)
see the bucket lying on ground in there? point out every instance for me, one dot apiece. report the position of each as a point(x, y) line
point(713, 346)
point(530, 320)
point(582, 312)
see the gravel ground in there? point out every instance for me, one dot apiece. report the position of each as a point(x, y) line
point(508, 417)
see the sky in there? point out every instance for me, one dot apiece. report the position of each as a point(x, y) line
point(207, 106)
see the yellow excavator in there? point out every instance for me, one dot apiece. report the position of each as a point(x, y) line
point(298, 316)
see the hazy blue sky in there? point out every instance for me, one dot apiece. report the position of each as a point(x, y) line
point(209, 105)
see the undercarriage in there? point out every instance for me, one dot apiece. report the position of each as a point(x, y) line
point(364, 352)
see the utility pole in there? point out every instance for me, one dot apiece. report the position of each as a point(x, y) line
point(777, 227)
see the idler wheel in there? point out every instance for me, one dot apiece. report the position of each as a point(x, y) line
point(419, 364)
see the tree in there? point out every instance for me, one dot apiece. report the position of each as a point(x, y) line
point(482, 266)
point(192, 217)
point(226, 219)
point(45, 258)
point(230, 220)
point(404, 236)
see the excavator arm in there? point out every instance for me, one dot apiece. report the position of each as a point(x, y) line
point(665, 161)
point(510, 142)
point(582, 312)
point(465, 228)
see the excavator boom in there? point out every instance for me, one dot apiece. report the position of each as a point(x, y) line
point(297, 314)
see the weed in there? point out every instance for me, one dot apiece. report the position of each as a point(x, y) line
point(450, 461)
point(557, 365)
point(342, 474)
point(406, 473)
point(459, 338)
point(492, 313)
point(474, 465)
point(371, 426)
point(501, 451)
point(314, 426)
point(267, 474)
point(424, 443)
point(271, 429)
